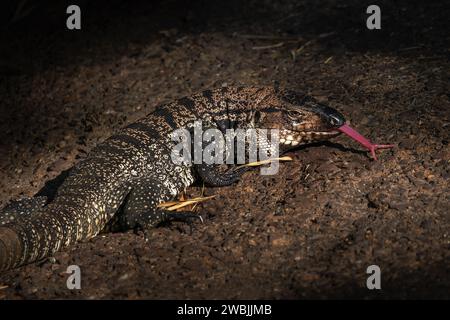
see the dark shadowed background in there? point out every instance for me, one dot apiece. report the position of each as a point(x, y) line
point(310, 231)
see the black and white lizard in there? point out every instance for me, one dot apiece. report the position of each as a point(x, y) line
point(127, 176)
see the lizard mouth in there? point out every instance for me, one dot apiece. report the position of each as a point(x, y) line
point(294, 138)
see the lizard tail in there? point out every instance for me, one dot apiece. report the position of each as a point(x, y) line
point(33, 239)
point(28, 240)
point(10, 248)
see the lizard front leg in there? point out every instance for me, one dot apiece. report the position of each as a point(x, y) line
point(213, 176)
point(140, 209)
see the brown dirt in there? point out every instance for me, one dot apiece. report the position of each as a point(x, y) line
point(310, 231)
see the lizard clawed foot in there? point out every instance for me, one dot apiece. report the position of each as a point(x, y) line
point(213, 176)
point(185, 216)
point(145, 225)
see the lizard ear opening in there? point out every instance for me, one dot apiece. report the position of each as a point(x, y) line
point(254, 117)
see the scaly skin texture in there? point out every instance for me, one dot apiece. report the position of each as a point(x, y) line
point(127, 176)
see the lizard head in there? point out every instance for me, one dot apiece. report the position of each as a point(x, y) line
point(299, 118)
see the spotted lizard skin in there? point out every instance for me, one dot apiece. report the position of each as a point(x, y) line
point(130, 173)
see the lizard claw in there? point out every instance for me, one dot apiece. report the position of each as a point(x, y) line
point(184, 216)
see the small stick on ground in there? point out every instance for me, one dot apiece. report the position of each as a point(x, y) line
point(174, 205)
point(269, 37)
point(328, 60)
point(262, 162)
point(201, 195)
point(277, 45)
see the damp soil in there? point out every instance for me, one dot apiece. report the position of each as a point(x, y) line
point(310, 231)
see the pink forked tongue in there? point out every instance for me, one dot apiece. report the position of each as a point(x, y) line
point(363, 141)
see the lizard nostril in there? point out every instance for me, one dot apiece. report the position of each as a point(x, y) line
point(336, 121)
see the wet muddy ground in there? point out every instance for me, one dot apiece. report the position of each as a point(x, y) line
point(310, 231)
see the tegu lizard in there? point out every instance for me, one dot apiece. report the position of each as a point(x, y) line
point(124, 178)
